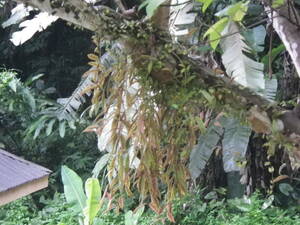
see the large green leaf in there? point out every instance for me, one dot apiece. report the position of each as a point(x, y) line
point(214, 32)
point(256, 38)
point(73, 189)
point(235, 12)
point(239, 66)
point(235, 142)
point(93, 193)
point(203, 150)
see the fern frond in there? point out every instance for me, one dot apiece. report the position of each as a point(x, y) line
point(239, 66)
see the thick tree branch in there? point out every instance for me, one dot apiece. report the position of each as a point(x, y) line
point(68, 12)
point(78, 12)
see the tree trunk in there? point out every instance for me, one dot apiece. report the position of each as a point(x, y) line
point(285, 20)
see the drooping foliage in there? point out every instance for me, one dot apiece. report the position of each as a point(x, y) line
point(156, 96)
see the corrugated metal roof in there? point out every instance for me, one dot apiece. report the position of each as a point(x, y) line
point(15, 171)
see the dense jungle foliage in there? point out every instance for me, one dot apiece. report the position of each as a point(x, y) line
point(194, 106)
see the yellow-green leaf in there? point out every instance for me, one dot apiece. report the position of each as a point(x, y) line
point(277, 3)
point(73, 189)
point(206, 4)
point(214, 32)
point(238, 11)
point(93, 193)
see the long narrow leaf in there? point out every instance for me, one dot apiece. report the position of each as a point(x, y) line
point(235, 143)
point(239, 66)
point(93, 193)
point(100, 165)
point(202, 152)
point(73, 189)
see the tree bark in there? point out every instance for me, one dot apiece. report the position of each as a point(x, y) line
point(104, 21)
point(285, 20)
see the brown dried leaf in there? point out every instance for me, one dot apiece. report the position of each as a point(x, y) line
point(259, 121)
point(170, 213)
point(279, 178)
point(93, 57)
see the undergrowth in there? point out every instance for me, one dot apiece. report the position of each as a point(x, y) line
point(191, 210)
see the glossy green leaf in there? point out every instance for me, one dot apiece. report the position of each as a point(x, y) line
point(93, 193)
point(214, 32)
point(73, 189)
point(243, 205)
point(238, 11)
point(235, 12)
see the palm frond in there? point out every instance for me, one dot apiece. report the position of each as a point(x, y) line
point(71, 104)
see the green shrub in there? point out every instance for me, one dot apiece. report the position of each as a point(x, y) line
point(193, 210)
point(19, 212)
point(24, 212)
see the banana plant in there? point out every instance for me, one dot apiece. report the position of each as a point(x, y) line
point(229, 134)
point(87, 203)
